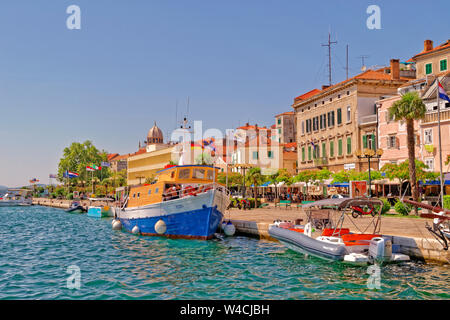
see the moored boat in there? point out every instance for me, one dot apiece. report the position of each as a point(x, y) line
point(100, 211)
point(76, 207)
point(325, 237)
point(16, 197)
point(182, 202)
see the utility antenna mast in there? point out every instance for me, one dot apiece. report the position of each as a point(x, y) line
point(363, 66)
point(329, 55)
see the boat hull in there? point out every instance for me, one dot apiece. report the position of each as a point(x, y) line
point(189, 218)
point(301, 243)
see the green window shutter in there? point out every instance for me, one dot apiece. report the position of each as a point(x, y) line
point(331, 148)
point(279, 120)
point(428, 68)
point(443, 65)
point(324, 150)
point(269, 154)
point(349, 145)
point(364, 141)
point(339, 116)
point(303, 154)
point(373, 142)
point(255, 154)
point(340, 147)
point(309, 152)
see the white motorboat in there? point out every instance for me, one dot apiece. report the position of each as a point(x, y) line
point(16, 197)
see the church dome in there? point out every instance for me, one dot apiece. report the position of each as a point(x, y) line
point(155, 135)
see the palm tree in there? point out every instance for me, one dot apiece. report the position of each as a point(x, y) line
point(255, 177)
point(409, 108)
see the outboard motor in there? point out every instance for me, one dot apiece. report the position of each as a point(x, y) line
point(380, 249)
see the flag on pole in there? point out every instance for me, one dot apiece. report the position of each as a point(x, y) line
point(52, 176)
point(89, 168)
point(442, 94)
point(34, 180)
point(70, 174)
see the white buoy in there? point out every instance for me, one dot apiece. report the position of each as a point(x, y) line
point(160, 227)
point(112, 222)
point(117, 225)
point(229, 229)
point(135, 230)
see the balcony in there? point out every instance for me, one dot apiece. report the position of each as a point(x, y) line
point(322, 161)
point(433, 116)
point(368, 120)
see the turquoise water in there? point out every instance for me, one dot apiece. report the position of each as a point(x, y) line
point(38, 244)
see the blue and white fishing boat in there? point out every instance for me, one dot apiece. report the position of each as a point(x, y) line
point(182, 202)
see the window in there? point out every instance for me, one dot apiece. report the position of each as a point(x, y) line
point(443, 65)
point(430, 163)
point(184, 173)
point(349, 114)
point(156, 190)
point(255, 155)
point(210, 175)
point(303, 127)
point(316, 151)
point(428, 68)
point(331, 148)
point(428, 133)
point(324, 150)
point(279, 130)
point(270, 154)
point(198, 173)
point(331, 118)
point(279, 120)
point(369, 141)
point(339, 116)
point(392, 142)
point(309, 152)
point(389, 117)
point(348, 93)
point(349, 145)
point(149, 191)
point(134, 195)
point(139, 195)
point(303, 153)
point(340, 147)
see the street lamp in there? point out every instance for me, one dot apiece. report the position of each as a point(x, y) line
point(369, 154)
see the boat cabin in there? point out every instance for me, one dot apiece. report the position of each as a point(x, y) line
point(173, 183)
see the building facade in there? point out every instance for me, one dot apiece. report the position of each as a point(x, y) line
point(285, 126)
point(336, 121)
point(432, 60)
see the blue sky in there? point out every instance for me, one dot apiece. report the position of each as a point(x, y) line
point(132, 60)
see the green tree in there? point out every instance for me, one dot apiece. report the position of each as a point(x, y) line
point(255, 178)
point(79, 155)
point(409, 108)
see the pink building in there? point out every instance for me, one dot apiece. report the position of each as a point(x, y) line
point(392, 136)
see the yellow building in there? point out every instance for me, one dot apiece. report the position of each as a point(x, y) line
point(432, 60)
point(154, 157)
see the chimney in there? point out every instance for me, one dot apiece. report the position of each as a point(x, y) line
point(325, 86)
point(427, 45)
point(395, 69)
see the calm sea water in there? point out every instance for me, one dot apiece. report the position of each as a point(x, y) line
point(38, 244)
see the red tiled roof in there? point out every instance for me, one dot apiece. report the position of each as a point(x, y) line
point(290, 145)
point(288, 113)
point(308, 94)
point(366, 75)
point(445, 45)
point(112, 156)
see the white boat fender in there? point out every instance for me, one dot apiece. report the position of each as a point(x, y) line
point(112, 222)
point(308, 229)
point(117, 225)
point(160, 227)
point(135, 230)
point(229, 229)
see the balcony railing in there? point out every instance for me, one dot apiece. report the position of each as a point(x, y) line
point(368, 119)
point(433, 116)
point(322, 161)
